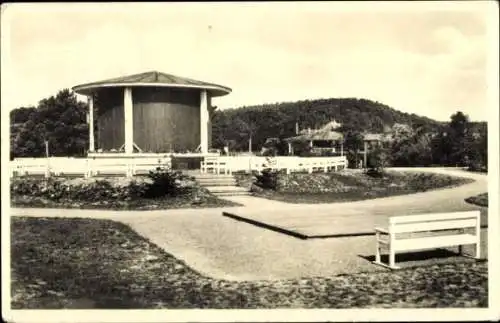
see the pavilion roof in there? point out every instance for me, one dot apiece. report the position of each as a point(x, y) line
point(155, 79)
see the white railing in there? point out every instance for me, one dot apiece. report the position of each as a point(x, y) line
point(87, 167)
point(229, 164)
point(136, 165)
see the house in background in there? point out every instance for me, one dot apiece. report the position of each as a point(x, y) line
point(325, 141)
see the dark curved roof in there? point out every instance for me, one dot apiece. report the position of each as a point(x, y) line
point(153, 78)
point(317, 135)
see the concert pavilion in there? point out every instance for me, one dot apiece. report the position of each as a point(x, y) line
point(151, 112)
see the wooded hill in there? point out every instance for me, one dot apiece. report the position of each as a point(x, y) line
point(279, 120)
point(61, 120)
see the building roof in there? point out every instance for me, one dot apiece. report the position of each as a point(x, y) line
point(318, 135)
point(154, 79)
point(373, 137)
point(332, 125)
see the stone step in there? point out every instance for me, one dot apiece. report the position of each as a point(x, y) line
point(216, 180)
point(205, 175)
point(238, 193)
point(217, 184)
point(223, 189)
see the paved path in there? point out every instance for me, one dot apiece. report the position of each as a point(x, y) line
point(224, 248)
point(351, 218)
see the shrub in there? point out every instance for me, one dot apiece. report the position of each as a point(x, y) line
point(481, 200)
point(477, 167)
point(165, 182)
point(377, 161)
point(375, 172)
point(58, 189)
point(24, 186)
point(135, 189)
point(158, 183)
point(268, 179)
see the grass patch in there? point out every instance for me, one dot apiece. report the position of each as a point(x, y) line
point(89, 263)
point(352, 185)
point(480, 200)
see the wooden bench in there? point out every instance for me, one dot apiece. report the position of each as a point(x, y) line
point(216, 164)
point(428, 231)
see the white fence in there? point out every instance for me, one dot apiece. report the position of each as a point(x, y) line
point(229, 164)
point(129, 166)
point(68, 166)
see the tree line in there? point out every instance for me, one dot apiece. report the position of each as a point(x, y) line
point(60, 121)
point(458, 142)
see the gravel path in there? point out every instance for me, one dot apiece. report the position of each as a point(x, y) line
point(224, 248)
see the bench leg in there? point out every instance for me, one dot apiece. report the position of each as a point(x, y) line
point(392, 258)
point(478, 250)
point(377, 252)
point(460, 250)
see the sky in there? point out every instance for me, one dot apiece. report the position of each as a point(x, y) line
point(430, 59)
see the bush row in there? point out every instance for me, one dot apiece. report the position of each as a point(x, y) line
point(340, 182)
point(158, 183)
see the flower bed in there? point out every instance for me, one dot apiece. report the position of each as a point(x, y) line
point(348, 185)
point(480, 200)
point(161, 189)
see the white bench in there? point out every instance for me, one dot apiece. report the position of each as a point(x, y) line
point(428, 231)
point(216, 164)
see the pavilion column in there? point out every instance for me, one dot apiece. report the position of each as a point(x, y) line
point(91, 123)
point(129, 120)
point(204, 122)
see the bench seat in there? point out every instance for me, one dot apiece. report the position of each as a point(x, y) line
point(434, 242)
point(441, 229)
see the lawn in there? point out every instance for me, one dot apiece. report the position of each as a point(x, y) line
point(88, 263)
point(480, 200)
point(349, 185)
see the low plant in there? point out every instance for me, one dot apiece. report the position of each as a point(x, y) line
point(165, 182)
point(56, 189)
point(267, 179)
point(160, 182)
point(378, 160)
point(480, 200)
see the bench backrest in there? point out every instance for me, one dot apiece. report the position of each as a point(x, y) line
point(434, 221)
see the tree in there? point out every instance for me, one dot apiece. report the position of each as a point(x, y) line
point(353, 143)
point(278, 120)
point(477, 147)
point(410, 146)
point(21, 115)
point(275, 147)
point(378, 159)
point(458, 131)
point(60, 119)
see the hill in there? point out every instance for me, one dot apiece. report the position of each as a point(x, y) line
point(279, 120)
point(60, 121)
